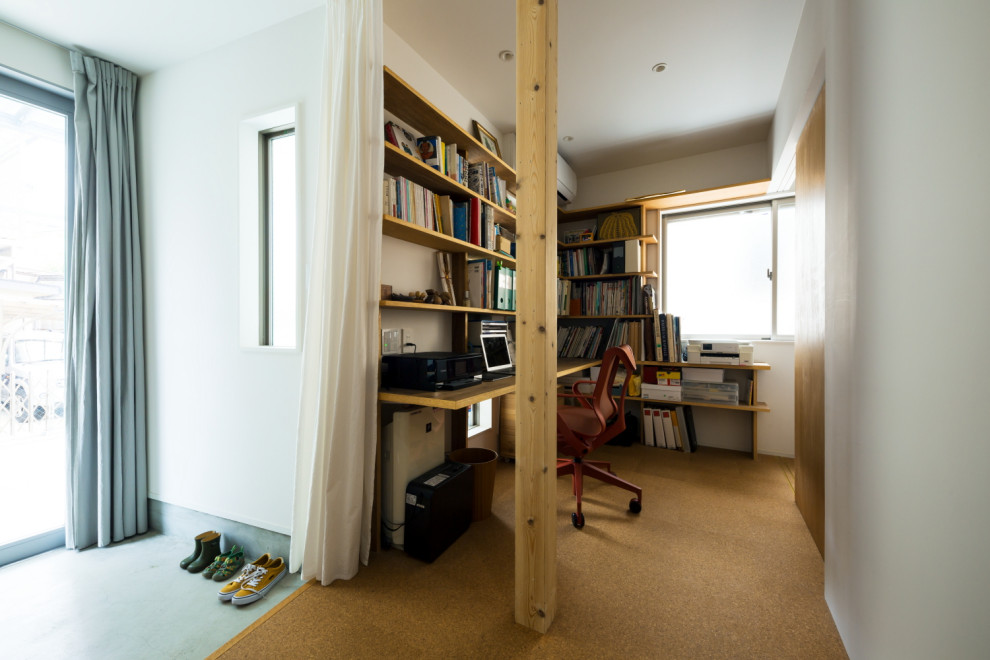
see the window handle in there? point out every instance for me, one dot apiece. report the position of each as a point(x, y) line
point(769, 274)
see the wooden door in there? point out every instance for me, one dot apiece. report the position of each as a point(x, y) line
point(809, 340)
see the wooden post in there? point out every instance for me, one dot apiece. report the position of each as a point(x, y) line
point(536, 314)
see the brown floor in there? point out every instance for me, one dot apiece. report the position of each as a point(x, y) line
point(718, 564)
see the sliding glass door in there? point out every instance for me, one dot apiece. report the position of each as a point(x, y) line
point(35, 205)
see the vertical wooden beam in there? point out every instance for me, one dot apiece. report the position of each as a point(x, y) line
point(536, 317)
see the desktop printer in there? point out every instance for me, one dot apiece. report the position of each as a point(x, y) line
point(719, 351)
point(431, 371)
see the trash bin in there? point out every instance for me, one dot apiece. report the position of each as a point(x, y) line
point(483, 461)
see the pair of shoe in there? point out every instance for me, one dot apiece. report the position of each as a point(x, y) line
point(226, 564)
point(256, 580)
point(207, 548)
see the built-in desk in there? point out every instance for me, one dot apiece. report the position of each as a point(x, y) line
point(468, 396)
point(454, 400)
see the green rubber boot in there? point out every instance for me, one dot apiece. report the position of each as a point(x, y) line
point(210, 549)
point(184, 564)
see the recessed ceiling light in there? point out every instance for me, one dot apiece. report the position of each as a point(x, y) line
point(567, 138)
point(506, 55)
point(660, 68)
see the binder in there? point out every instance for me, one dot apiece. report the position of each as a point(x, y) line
point(648, 437)
point(682, 421)
point(678, 440)
point(668, 430)
point(661, 439)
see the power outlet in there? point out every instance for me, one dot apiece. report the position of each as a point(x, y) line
point(391, 341)
point(408, 338)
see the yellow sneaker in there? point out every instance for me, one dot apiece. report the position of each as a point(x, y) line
point(228, 590)
point(260, 582)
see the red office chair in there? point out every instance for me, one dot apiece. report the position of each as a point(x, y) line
point(581, 430)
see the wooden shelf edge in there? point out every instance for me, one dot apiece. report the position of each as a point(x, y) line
point(607, 316)
point(606, 276)
point(758, 366)
point(648, 239)
point(759, 406)
point(410, 233)
point(402, 304)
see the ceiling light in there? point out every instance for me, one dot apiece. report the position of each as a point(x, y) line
point(506, 55)
point(660, 68)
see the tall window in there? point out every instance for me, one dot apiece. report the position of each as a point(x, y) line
point(729, 272)
point(278, 241)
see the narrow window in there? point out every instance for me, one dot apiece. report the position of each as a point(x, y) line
point(278, 253)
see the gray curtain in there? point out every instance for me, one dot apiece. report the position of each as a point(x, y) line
point(105, 405)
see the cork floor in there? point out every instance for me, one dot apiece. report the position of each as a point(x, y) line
point(719, 564)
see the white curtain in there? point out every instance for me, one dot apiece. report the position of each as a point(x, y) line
point(335, 459)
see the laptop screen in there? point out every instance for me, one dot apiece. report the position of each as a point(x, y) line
point(495, 348)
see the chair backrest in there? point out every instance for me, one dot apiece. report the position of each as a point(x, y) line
point(602, 404)
point(601, 398)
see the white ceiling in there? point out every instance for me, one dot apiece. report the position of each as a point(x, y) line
point(145, 36)
point(726, 60)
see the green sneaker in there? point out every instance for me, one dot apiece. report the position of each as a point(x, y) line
point(233, 561)
point(218, 561)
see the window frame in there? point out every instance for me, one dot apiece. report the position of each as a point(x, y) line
point(266, 235)
point(772, 202)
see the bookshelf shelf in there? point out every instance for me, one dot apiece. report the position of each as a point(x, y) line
point(647, 239)
point(607, 276)
point(582, 317)
point(399, 163)
point(756, 407)
point(410, 233)
point(759, 366)
point(401, 304)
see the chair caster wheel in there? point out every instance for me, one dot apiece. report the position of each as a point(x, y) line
point(577, 520)
point(635, 506)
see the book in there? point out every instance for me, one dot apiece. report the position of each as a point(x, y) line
point(675, 424)
point(661, 438)
point(632, 256)
point(461, 221)
point(689, 424)
point(648, 436)
point(474, 221)
point(668, 430)
point(476, 283)
point(682, 427)
point(431, 149)
point(404, 139)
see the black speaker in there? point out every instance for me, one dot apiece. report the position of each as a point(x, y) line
point(438, 509)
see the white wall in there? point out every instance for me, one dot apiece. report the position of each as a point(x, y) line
point(222, 420)
point(802, 80)
point(710, 170)
point(34, 57)
point(907, 529)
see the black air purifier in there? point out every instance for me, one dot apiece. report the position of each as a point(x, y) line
point(438, 509)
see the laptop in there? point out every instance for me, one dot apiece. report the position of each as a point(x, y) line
point(498, 361)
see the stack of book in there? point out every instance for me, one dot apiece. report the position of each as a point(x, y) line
point(666, 330)
point(579, 341)
point(609, 297)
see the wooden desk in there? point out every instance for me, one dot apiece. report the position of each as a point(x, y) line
point(456, 401)
point(468, 396)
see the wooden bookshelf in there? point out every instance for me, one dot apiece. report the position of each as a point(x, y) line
point(399, 163)
point(424, 307)
point(412, 108)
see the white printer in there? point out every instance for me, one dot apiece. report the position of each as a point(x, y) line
point(719, 351)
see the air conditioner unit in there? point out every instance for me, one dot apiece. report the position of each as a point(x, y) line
point(566, 181)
